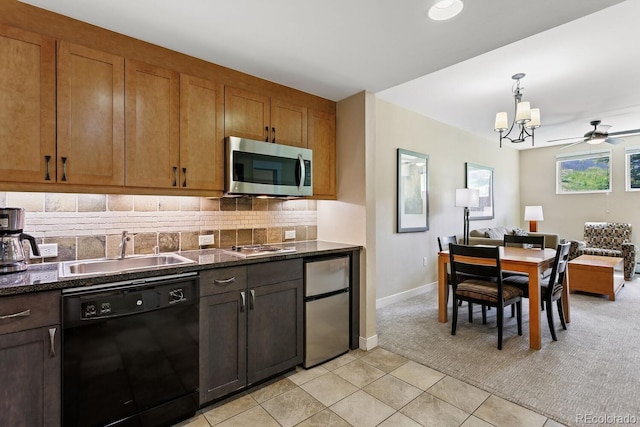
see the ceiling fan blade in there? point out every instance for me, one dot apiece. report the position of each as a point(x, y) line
point(575, 143)
point(564, 139)
point(614, 141)
point(602, 128)
point(626, 132)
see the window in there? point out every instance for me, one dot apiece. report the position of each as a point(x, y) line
point(588, 172)
point(632, 163)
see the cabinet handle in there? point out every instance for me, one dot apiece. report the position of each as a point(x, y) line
point(184, 173)
point(25, 313)
point(175, 176)
point(266, 132)
point(243, 302)
point(64, 168)
point(273, 135)
point(52, 340)
point(47, 175)
point(252, 300)
point(224, 282)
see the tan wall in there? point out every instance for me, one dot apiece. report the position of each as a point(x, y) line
point(399, 256)
point(89, 225)
point(566, 214)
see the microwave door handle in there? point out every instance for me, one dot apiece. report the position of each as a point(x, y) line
point(302, 172)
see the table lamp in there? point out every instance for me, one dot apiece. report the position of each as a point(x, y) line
point(533, 214)
point(467, 198)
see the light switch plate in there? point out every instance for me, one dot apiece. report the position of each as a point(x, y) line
point(290, 234)
point(206, 239)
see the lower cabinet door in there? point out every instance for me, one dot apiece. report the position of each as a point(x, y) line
point(30, 377)
point(223, 355)
point(274, 329)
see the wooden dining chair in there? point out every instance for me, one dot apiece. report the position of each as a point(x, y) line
point(443, 245)
point(484, 286)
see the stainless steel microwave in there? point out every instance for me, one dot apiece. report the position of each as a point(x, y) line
point(263, 168)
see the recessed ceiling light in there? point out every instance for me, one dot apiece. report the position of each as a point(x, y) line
point(445, 9)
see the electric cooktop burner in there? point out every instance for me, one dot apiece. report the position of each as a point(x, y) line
point(247, 251)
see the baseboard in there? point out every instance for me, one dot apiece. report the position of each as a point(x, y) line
point(368, 343)
point(382, 302)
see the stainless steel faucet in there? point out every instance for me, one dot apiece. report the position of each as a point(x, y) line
point(122, 249)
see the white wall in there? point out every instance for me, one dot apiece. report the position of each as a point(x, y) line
point(566, 214)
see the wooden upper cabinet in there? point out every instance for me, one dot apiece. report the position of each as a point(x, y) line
point(90, 116)
point(288, 123)
point(263, 118)
point(152, 126)
point(201, 134)
point(322, 140)
point(27, 106)
point(247, 114)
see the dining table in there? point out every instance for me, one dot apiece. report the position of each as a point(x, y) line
point(531, 261)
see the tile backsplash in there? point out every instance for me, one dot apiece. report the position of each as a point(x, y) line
point(90, 225)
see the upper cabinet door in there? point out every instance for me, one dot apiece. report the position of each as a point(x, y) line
point(322, 140)
point(247, 114)
point(288, 123)
point(27, 106)
point(90, 116)
point(201, 134)
point(152, 126)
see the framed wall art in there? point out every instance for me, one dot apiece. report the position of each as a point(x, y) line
point(413, 191)
point(480, 177)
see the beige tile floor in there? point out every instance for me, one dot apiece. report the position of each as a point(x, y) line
point(375, 388)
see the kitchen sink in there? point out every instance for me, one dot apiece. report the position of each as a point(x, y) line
point(105, 266)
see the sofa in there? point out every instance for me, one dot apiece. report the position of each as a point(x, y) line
point(607, 239)
point(494, 236)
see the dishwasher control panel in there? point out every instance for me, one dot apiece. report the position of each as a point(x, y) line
point(104, 302)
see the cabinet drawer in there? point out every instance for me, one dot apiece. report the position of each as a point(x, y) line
point(221, 280)
point(22, 312)
point(275, 272)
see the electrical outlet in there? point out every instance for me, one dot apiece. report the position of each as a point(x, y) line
point(290, 234)
point(206, 239)
point(47, 250)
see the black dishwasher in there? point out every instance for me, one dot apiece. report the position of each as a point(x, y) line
point(130, 352)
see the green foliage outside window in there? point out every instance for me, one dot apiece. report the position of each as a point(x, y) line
point(585, 174)
point(634, 171)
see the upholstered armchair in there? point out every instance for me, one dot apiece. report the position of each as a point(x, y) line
point(607, 239)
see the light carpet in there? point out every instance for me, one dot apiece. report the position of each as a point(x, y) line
point(592, 371)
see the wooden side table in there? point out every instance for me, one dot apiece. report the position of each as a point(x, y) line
point(596, 274)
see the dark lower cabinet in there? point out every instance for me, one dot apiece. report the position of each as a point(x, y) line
point(30, 366)
point(250, 325)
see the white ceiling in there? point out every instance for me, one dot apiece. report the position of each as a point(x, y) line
point(579, 55)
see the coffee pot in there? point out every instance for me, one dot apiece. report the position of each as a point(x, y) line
point(12, 256)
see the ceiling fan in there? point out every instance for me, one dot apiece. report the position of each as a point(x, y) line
point(598, 135)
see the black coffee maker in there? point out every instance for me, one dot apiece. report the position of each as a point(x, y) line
point(12, 256)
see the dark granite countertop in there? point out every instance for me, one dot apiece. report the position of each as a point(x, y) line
point(41, 277)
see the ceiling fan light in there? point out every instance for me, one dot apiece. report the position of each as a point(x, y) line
point(445, 9)
point(596, 140)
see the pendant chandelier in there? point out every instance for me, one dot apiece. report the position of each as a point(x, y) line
point(526, 118)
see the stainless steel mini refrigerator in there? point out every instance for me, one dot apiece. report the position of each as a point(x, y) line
point(326, 309)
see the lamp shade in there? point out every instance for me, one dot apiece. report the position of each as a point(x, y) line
point(533, 213)
point(467, 197)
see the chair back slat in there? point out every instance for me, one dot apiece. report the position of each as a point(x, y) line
point(524, 241)
point(475, 261)
point(443, 242)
